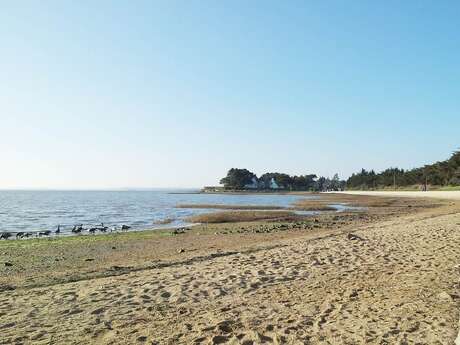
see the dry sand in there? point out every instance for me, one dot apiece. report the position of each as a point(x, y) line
point(446, 195)
point(393, 281)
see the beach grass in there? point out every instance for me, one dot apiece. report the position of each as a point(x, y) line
point(84, 239)
point(307, 205)
point(240, 216)
point(313, 205)
point(230, 207)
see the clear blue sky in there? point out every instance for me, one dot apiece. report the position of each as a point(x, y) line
point(108, 94)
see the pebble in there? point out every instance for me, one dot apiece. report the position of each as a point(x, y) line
point(445, 296)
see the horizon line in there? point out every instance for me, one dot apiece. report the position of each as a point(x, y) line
point(121, 189)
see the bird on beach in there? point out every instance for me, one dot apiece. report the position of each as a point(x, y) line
point(44, 233)
point(77, 229)
point(125, 227)
point(103, 228)
point(20, 235)
point(58, 230)
point(5, 235)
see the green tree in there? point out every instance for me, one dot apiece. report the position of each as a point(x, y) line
point(237, 178)
point(439, 173)
point(335, 183)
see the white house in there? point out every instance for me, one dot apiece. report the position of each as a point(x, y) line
point(273, 184)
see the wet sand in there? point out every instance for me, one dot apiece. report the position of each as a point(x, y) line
point(386, 276)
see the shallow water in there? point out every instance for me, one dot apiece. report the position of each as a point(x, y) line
point(44, 210)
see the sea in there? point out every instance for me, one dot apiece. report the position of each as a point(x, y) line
point(32, 211)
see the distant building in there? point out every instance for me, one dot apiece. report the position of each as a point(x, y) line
point(213, 189)
point(274, 185)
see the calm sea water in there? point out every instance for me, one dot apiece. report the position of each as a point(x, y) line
point(44, 210)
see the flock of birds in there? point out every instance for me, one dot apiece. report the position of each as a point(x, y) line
point(77, 229)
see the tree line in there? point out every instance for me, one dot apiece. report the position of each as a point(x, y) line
point(243, 179)
point(443, 173)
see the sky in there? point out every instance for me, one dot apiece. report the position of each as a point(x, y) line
point(131, 94)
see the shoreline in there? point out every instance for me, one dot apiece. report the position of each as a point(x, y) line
point(216, 211)
point(295, 208)
point(24, 215)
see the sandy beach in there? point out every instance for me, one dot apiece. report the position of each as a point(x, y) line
point(387, 275)
point(447, 195)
